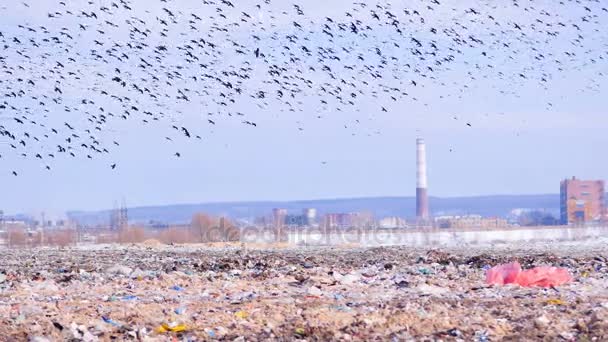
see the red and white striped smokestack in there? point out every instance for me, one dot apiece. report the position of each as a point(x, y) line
point(422, 200)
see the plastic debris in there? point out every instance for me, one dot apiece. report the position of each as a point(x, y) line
point(171, 327)
point(541, 322)
point(555, 302)
point(315, 291)
point(544, 277)
point(431, 290)
point(129, 297)
point(424, 271)
point(512, 273)
point(503, 274)
point(177, 288)
point(110, 321)
point(241, 314)
point(120, 270)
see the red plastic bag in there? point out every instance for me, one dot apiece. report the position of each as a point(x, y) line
point(538, 276)
point(503, 274)
point(544, 277)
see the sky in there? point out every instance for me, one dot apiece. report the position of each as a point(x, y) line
point(514, 144)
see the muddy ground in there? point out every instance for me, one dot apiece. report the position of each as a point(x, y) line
point(190, 293)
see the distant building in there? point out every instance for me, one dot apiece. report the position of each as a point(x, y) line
point(15, 224)
point(470, 221)
point(295, 221)
point(311, 216)
point(581, 201)
point(348, 220)
point(337, 220)
point(392, 222)
point(281, 217)
point(533, 217)
point(278, 217)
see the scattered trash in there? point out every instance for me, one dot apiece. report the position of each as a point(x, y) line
point(454, 332)
point(39, 339)
point(120, 270)
point(241, 314)
point(431, 290)
point(482, 336)
point(424, 271)
point(171, 327)
point(315, 291)
point(347, 295)
point(555, 302)
point(129, 297)
point(401, 283)
point(346, 279)
point(512, 273)
point(541, 322)
point(110, 321)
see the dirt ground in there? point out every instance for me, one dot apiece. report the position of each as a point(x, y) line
point(154, 292)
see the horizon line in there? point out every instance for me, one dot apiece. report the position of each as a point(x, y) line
point(312, 200)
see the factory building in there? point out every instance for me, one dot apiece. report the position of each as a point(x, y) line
point(281, 217)
point(349, 220)
point(470, 221)
point(392, 223)
point(581, 201)
point(311, 216)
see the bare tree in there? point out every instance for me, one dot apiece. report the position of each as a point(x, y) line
point(202, 226)
point(212, 229)
point(132, 235)
point(60, 237)
point(16, 237)
point(176, 235)
point(229, 231)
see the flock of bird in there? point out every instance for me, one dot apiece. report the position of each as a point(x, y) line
point(67, 81)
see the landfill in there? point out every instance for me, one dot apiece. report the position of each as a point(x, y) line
point(240, 293)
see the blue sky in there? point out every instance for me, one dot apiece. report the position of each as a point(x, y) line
point(515, 144)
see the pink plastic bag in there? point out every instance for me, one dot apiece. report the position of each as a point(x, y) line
point(544, 277)
point(503, 274)
point(538, 276)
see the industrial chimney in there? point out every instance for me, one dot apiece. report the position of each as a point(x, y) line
point(422, 200)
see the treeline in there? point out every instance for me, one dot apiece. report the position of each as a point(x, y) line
point(203, 229)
